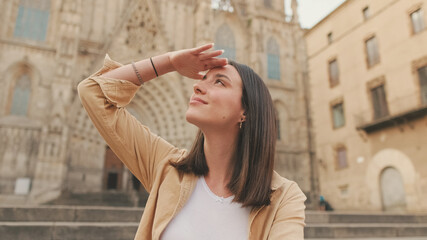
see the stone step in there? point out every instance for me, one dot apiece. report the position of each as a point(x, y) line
point(70, 214)
point(345, 217)
point(389, 238)
point(130, 214)
point(120, 230)
point(89, 222)
point(359, 230)
point(68, 230)
point(104, 198)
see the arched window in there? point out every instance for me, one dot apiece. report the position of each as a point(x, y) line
point(21, 96)
point(32, 19)
point(273, 59)
point(224, 39)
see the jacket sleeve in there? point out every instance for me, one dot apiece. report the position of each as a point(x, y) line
point(289, 220)
point(104, 100)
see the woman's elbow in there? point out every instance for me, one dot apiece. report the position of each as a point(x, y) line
point(83, 89)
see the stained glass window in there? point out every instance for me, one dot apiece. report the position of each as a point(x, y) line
point(32, 19)
point(273, 59)
point(224, 39)
point(21, 96)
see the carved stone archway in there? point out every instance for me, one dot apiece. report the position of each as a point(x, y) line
point(398, 160)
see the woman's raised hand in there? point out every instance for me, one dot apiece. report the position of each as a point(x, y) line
point(190, 62)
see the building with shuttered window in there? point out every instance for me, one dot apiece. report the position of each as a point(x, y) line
point(368, 82)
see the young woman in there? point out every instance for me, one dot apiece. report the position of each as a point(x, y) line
point(225, 186)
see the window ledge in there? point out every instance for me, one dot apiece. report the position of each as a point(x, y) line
point(28, 43)
point(337, 128)
point(390, 121)
point(279, 84)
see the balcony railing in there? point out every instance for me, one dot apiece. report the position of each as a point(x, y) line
point(402, 110)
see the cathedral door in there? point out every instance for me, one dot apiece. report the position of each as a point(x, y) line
point(113, 171)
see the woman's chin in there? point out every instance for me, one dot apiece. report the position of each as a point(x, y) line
point(195, 119)
point(190, 118)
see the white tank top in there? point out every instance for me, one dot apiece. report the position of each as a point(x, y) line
point(207, 216)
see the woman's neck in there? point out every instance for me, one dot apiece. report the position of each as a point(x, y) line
point(219, 149)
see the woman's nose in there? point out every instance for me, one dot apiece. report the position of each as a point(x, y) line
point(198, 88)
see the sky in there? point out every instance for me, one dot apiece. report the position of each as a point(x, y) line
point(312, 11)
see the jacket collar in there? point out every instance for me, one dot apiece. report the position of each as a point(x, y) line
point(276, 181)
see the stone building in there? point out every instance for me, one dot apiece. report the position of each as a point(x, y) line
point(48, 146)
point(368, 81)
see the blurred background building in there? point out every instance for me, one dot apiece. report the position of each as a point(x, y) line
point(360, 74)
point(368, 83)
point(49, 148)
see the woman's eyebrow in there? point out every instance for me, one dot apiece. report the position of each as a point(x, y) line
point(224, 76)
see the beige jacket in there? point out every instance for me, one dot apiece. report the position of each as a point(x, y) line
point(147, 156)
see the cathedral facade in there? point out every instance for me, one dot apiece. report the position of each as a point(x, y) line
point(49, 146)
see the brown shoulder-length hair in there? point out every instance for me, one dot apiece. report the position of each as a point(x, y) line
point(254, 157)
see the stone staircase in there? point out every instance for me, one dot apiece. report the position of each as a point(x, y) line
point(321, 225)
point(69, 223)
point(105, 198)
point(120, 223)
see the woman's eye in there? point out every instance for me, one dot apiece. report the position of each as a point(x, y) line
point(219, 81)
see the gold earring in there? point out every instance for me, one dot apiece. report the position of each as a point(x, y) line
point(241, 125)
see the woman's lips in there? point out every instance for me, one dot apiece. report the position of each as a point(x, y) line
point(197, 100)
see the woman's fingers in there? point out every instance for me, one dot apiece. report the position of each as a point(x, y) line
point(207, 55)
point(190, 62)
point(215, 62)
point(202, 48)
point(197, 76)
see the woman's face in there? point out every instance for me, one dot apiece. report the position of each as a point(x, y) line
point(216, 100)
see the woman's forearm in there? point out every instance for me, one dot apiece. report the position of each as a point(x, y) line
point(187, 62)
point(145, 69)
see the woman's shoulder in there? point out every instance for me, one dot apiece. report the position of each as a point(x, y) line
point(174, 156)
point(286, 187)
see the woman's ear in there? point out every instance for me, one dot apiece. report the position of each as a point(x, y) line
point(243, 117)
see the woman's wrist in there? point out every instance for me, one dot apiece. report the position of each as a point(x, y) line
point(162, 64)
